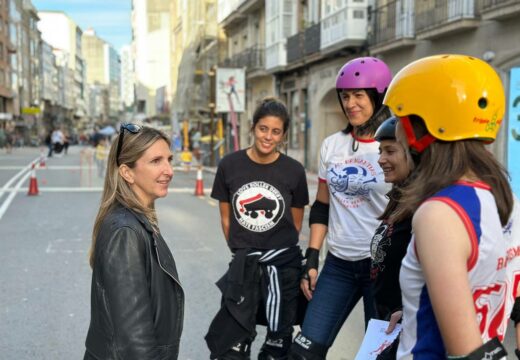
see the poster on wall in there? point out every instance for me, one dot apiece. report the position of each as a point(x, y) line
point(513, 137)
point(231, 89)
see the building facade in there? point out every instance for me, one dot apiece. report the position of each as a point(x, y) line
point(405, 30)
point(62, 33)
point(103, 74)
point(151, 54)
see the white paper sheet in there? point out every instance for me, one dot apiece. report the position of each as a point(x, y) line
point(376, 340)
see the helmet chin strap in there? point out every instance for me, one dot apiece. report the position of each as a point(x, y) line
point(416, 144)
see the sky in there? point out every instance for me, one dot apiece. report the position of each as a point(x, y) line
point(109, 18)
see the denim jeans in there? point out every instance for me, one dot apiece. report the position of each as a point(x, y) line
point(340, 286)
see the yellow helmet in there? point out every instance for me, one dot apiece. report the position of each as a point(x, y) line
point(457, 96)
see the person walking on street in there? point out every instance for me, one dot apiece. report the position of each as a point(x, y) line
point(57, 140)
point(100, 155)
point(458, 275)
point(262, 194)
point(350, 197)
point(137, 301)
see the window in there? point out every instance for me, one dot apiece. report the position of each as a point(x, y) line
point(358, 14)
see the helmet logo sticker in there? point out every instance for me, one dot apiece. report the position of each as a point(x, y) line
point(350, 181)
point(258, 206)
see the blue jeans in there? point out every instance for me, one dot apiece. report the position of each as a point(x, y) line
point(340, 286)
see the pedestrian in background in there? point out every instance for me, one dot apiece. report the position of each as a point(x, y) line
point(101, 155)
point(186, 158)
point(457, 275)
point(57, 140)
point(350, 197)
point(137, 302)
point(391, 238)
point(2, 137)
point(66, 142)
point(262, 194)
point(9, 140)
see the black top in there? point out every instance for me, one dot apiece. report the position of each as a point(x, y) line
point(388, 249)
point(137, 302)
point(261, 198)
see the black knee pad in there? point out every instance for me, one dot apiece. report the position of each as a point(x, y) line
point(275, 348)
point(263, 355)
point(304, 348)
point(240, 351)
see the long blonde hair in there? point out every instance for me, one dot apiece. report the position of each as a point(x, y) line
point(116, 190)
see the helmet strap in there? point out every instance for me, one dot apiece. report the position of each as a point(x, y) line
point(416, 144)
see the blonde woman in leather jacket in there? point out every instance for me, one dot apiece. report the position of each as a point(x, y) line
point(137, 302)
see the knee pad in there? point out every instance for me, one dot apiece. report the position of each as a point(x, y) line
point(275, 348)
point(304, 348)
point(265, 356)
point(240, 351)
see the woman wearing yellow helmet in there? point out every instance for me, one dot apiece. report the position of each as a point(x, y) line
point(457, 275)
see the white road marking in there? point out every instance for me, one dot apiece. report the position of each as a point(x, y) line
point(13, 193)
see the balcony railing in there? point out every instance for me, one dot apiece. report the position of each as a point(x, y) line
point(497, 9)
point(312, 39)
point(486, 5)
point(434, 13)
point(304, 43)
point(295, 47)
point(251, 58)
point(345, 26)
point(393, 21)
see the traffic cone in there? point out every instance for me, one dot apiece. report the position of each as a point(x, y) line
point(42, 159)
point(33, 184)
point(199, 187)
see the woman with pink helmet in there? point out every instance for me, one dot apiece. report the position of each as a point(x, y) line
point(350, 198)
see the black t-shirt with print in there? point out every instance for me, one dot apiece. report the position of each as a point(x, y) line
point(261, 197)
point(388, 249)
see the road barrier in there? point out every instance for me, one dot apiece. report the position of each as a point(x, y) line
point(42, 159)
point(33, 183)
point(199, 187)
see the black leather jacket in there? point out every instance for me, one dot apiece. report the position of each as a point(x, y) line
point(137, 302)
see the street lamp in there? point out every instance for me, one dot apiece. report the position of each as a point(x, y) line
point(212, 83)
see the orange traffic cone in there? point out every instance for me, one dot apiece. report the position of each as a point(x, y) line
point(33, 184)
point(42, 159)
point(199, 187)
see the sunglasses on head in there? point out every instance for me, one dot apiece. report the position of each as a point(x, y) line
point(132, 128)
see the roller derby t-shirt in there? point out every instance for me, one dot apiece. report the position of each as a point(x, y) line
point(261, 197)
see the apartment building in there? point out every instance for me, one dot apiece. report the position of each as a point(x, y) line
point(404, 30)
point(195, 47)
point(245, 29)
point(151, 55)
point(64, 35)
point(294, 49)
point(127, 78)
point(103, 71)
point(6, 47)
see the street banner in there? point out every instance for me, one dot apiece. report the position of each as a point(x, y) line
point(513, 137)
point(231, 89)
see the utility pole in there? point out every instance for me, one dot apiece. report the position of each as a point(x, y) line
point(212, 84)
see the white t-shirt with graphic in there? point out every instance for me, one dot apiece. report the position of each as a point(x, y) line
point(357, 193)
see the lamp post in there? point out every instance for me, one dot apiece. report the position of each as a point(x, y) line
point(212, 83)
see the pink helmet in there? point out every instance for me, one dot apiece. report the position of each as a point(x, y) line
point(364, 73)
